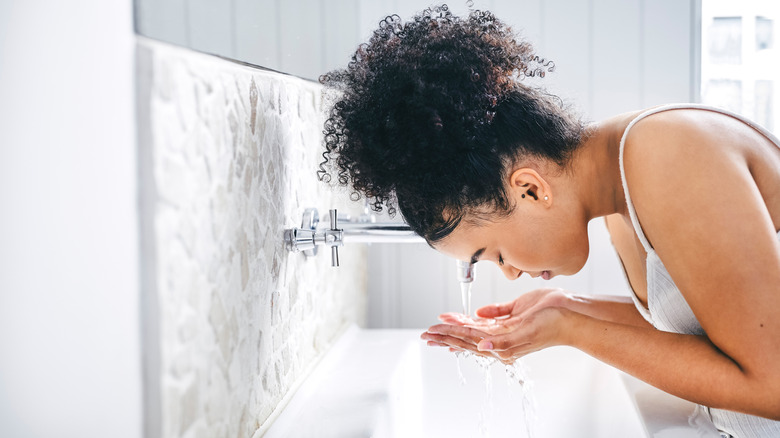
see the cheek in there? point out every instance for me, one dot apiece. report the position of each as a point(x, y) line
point(539, 249)
point(552, 243)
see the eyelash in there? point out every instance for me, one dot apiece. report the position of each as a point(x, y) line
point(500, 260)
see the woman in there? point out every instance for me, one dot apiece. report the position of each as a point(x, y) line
point(434, 119)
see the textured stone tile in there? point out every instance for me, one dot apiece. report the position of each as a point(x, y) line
point(235, 153)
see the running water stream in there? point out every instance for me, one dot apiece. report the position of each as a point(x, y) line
point(465, 295)
point(516, 372)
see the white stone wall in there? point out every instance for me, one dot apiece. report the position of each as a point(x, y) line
point(228, 160)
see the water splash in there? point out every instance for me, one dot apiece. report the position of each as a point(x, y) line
point(458, 357)
point(485, 414)
point(516, 373)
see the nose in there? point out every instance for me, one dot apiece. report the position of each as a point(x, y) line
point(510, 272)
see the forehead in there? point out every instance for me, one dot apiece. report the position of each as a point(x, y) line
point(468, 241)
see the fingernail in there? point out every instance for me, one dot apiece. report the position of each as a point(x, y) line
point(484, 345)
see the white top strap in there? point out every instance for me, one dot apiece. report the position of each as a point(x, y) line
point(631, 210)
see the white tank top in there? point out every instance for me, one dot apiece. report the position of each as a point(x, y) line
point(667, 309)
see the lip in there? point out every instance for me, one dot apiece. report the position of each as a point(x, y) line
point(546, 275)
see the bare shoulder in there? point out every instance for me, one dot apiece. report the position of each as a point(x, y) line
point(680, 133)
point(679, 138)
point(688, 150)
point(696, 150)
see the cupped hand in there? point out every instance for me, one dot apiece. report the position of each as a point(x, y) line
point(526, 303)
point(506, 331)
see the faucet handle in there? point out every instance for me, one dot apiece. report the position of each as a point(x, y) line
point(334, 250)
point(334, 256)
point(334, 217)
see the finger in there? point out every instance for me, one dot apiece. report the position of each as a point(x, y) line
point(487, 325)
point(509, 357)
point(465, 320)
point(466, 333)
point(437, 344)
point(504, 342)
point(496, 310)
point(440, 338)
point(468, 321)
point(455, 318)
point(451, 342)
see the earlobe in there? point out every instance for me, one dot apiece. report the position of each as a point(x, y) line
point(527, 183)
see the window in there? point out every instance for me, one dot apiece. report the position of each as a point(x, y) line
point(740, 63)
point(725, 40)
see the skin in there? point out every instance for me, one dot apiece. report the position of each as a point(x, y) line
point(706, 189)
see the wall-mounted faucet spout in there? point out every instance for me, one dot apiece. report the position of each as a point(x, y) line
point(466, 271)
point(342, 230)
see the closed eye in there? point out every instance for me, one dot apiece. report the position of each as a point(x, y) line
point(500, 260)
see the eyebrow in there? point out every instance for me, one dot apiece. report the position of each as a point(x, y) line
point(477, 254)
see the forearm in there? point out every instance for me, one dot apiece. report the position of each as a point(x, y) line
point(619, 309)
point(688, 366)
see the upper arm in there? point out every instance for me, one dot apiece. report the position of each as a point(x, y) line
point(703, 213)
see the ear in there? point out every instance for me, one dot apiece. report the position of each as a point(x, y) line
point(525, 184)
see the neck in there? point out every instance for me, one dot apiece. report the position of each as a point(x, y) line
point(596, 169)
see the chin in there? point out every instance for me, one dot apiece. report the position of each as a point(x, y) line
point(572, 269)
point(573, 261)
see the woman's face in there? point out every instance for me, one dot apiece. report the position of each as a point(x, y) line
point(542, 238)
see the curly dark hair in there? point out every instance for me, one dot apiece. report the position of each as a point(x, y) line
point(431, 114)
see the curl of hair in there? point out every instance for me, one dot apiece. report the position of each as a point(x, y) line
point(431, 111)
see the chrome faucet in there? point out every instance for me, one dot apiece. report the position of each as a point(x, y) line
point(343, 229)
point(466, 271)
point(364, 229)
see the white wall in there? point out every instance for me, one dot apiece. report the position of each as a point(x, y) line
point(70, 362)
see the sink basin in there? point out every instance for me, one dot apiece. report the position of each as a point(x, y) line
point(388, 383)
